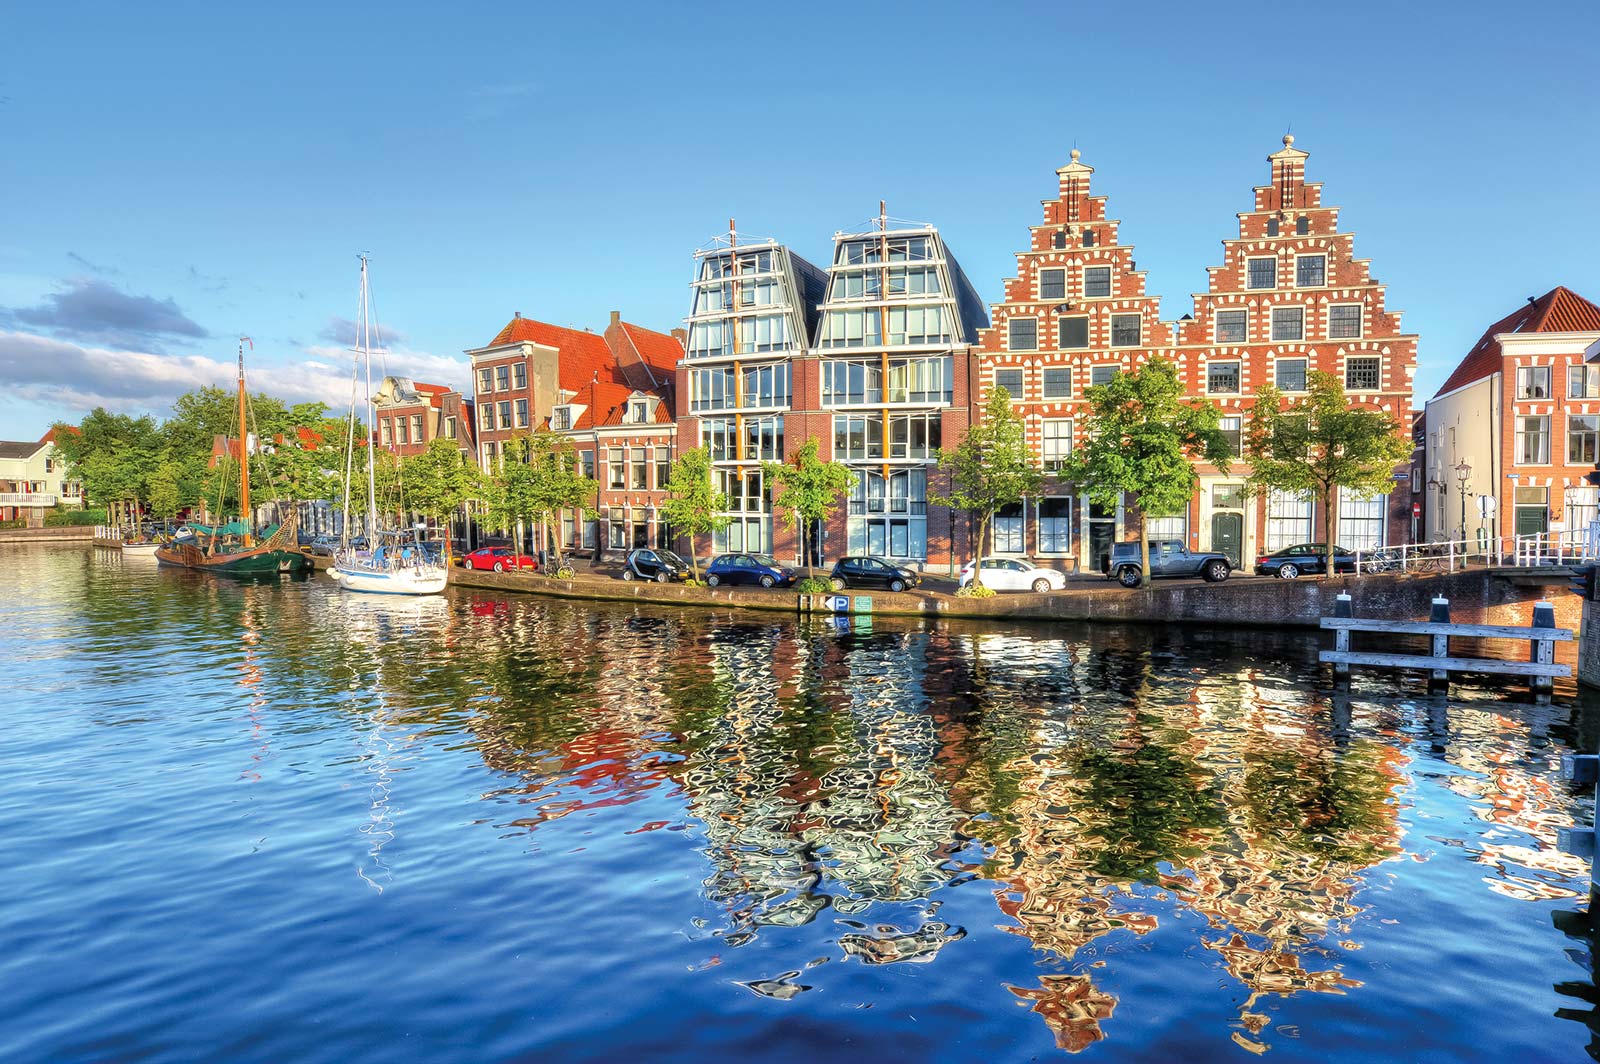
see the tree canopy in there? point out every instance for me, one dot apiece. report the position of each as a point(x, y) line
point(807, 490)
point(992, 468)
point(693, 505)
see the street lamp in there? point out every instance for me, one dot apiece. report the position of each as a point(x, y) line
point(1463, 474)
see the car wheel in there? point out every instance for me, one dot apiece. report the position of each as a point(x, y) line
point(1128, 576)
point(499, 567)
point(712, 580)
point(1041, 586)
point(1217, 571)
point(627, 574)
point(767, 581)
point(661, 577)
point(838, 585)
point(1288, 571)
point(897, 585)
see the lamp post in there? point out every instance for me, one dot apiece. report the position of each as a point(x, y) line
point(1463, 474)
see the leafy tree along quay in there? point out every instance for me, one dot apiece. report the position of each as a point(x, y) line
point(992, 468)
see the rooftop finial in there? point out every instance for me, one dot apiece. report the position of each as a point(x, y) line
point(1076, 154)
point(1288, 140)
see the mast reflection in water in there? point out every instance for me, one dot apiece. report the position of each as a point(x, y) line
point(478, 828)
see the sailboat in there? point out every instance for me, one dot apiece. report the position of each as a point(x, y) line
point(395, 563)
point(236, 548)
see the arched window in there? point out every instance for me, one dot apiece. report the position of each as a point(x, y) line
point(1302, 226)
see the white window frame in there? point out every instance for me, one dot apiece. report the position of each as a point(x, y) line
point(1011, 332)
point(1062, 270)
point(1238, 374)
point(1111, 282)
point(1323, 255)
point(1260, 258)
point(1272, 323)
point(1361, 323)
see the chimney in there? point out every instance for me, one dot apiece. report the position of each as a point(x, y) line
point(681, 335)
point(616, 317)
point(518, 315)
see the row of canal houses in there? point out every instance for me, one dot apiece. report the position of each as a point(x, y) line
point(889, 353)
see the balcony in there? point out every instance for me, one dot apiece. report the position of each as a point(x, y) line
point(28, 498)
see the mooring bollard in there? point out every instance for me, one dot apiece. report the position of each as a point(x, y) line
point(1342, 607)
point(1439, 679)
point(1543, 651)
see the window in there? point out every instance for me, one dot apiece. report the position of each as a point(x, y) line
point(1088, 238)
point(1344, 322)
point(1233, 326)
point(638, 469)
point(1073, 333)
point(1272, 227)
point(522, 413)
point(486, 416)
point(857, 437)
point(488, 457)
point(1533, 441)
point(763, 439)
point(416, 428)
point(1055, 526)
point(1533, 382)
point(1583, 382)
point(1583, 434)
point(1227, 497)
point(1168, 527)
point(1125, 330)
point(765, 386)
point(505, 414)
point(520, 373)
point(1262, 273)
point(1302, 226)
point(450, 427)
point(1222, 378)
point(502, 378)
point(1059, 240)
point(614, 468)
point(1310, 271)
point(1006, 529)
point(485, 380)
point(1363, 374)
point(586, 463)
point(1057, 383)
point(638, 411)
point(1582, 507)
point(1096, 281)
point(1288, 520)
point(1057, 442)
point(1023, 334)
point(561, 418)
point(1361, 521)
point(914, 435)
point(1288, 323)
point(718, 437)
point(1052, 284)
point(1230, 428)
point(1010, 380)
point(1102, 374)
point(1291, 374)
point(383, 434)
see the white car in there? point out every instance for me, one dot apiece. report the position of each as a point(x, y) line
point(1013, 574)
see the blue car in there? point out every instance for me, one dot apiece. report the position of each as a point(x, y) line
point(760, 569)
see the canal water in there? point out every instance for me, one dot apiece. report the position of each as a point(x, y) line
point(274, 822)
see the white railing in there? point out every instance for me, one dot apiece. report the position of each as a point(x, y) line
point(1443, 557)
point(28, 498)
point(1576, 546)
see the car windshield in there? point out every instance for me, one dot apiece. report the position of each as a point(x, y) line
point(765, 559)
point(669, 557)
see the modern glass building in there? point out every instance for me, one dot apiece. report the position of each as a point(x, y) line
point(754, 310)
point(896, 326)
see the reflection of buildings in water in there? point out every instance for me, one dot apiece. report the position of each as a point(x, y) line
point(1072, 1007)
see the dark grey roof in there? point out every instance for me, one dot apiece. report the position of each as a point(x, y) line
point(26, 449)
point(813, 285)
point(974, 312)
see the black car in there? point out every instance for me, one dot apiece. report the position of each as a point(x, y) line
point(662, 566)
point(761, 569)
point(1305, 559)
point(868, 571)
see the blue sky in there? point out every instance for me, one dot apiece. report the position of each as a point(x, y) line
point(176, 175)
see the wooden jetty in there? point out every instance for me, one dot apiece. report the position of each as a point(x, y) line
point(1541, 667)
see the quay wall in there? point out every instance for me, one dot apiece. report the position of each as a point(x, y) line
point(74, 534)
point(1476, 596)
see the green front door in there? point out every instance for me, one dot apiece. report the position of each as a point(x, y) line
point(1227, 536)
point(1533, 520)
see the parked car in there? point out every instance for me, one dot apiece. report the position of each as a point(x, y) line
point(760, 569)
point(499, 559)
point(1168, 558)
point(323, 546)
point(1013, 574)
point(1305, 559)
point(658, 565)
point(869, 571)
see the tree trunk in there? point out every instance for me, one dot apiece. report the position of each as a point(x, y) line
point(1144, 549)
point(694, 559)
point(1330, 494)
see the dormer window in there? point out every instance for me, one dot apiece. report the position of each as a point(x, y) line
point(638, 411)
point(561, 418)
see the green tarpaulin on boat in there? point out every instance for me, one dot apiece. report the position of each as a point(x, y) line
point(232, 528)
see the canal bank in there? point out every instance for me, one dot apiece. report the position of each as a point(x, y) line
point(1475, 595)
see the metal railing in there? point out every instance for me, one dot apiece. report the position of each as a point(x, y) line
point(29, 498)
point(1442, 557)
point(1578, 546)
point(1568, 547)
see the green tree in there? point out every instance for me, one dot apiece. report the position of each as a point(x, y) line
point(693, 505)
point(439, 481)
point(112, 454)
point(1141, 438)
point(807, 491)
point(1319, 443)
point(993, 467)
point(164, 489)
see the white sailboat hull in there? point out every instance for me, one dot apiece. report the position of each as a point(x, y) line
point(391, 582)
point(148, 549)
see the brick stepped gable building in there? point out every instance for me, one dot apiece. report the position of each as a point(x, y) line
point(753, 310)
point(410, 415)
point(611, 394)
point(1076, 313)
point(891, 364)
point(1291, 298)
point(1521, 412)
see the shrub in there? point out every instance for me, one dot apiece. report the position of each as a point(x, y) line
point(61, 518)
point(975, 591)
point(811, 585)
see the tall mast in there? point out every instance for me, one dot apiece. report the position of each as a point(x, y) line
point(244, 452)
point(364, 338)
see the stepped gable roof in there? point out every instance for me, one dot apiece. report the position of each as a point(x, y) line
point(1558, 310)
point(583, 353)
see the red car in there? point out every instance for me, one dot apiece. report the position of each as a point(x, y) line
point(499, 559)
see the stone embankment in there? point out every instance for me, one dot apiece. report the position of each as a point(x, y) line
point(74, 534)
point(1475, 595)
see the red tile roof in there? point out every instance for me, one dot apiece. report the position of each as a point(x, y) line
point(659, 351)
point(1558, 310)
point(583, 354)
